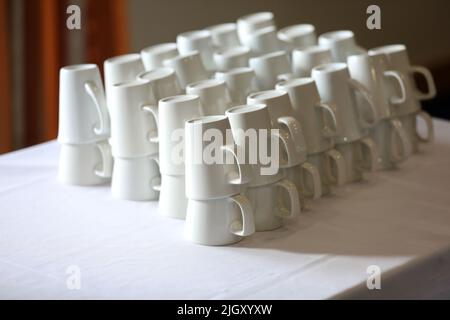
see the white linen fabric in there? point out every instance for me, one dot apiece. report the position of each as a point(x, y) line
point(398, 220)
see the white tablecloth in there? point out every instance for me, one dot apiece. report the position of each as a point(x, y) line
point(398, 220)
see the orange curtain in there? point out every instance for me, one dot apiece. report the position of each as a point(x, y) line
point(5, 83)
point(45, 44)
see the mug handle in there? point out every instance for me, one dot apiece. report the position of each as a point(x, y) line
point(399, 140)
point(107, 160)
point(315, 177)
point(294, 201)
point(430, 83)
point(152, 110)
point(243, 169)
point(277, 134)
point(338, 159)
point(247, 227)
point(368, 97)
point(296, 133)
point(99, 101)
point(371, 145)
point(155, 183)
point(430, 128)
point(401, 82)
point(327, 131)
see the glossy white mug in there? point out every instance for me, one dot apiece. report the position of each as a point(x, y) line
point(338, 89)
point(317, 119)
point(248, 24)
point(231, 58)
point(332, 169)
point(173, 112)
point(269, 67)
point(213, 94)
point(172, 196)
point(341, 44)
point(264, 41)
point(133, 119)
point(188, 68)
point(85, 164)
point(299, 35)
point(154, 56)
point(135, 178)
point(240, 83)
point(393, 142)
point(83, 115)
point(224, 35)
point(398, 60)
point(219, 221)
point(273, 203)
point(163, 82)
point(305, 59)
point(198, 40)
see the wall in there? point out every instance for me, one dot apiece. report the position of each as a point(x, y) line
point(424, 26)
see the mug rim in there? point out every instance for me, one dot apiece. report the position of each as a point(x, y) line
point(206, 119)
point(296, 82)
point(79, 67)
point(330, 67)
point(271, 55)
point(179, 98)
point(388, 49)
point(233, 52)
point(131, 83)
point(124, 58)
point(195, 35)
point(160, 48)
point(297, 30)
point(206, 83)
point(222, 27)
point(257, 17)
point(184, 56)
point(246, 108)
point(157, 73)
point(337, 35)
point(311, 49)
point(267, 94)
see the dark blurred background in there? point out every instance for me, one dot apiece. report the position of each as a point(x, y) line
point(35, 43)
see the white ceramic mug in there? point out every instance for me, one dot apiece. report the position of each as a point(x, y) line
point(163, 81)
point(317, 119)
point(248, 119)
point(282, 116)
point(213, 94)
point(269, 67)
point(248, 24)
point(273, 203)
point(398, 60)
point(393, 143)
point(219, 221)
point(188, 68)
point(240, 83)
point(299, 35)
point(173, 112)
point(409, 122)
point(154, 56)
point(85, 164)
point(172, 196)
point(341, 44)
point(371, 70)
point(198, 40)
point(208, 174)
point(135, 178)
point(83, 115)
point(121, 69)
point(338, 89)
point(306, 178)
point(133, 119)
point(359, 156)
point(225, 35)
point(264, 41)
point(305, 59)
point(332, 169)
point(232, 58)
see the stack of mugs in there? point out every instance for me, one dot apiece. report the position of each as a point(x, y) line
point(237, 126)
point(85, 156)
